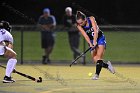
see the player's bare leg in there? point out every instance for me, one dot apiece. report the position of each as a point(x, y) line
point(98, 58)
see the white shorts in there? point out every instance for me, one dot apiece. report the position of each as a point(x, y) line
point(2, 50)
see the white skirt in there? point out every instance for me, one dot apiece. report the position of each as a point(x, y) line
point(2, 50)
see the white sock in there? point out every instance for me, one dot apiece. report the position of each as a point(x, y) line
point(10, 66)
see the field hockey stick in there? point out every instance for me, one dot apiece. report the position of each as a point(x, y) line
point(25, 75)
point(82, 55)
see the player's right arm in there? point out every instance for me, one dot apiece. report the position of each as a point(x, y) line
point(85, 35)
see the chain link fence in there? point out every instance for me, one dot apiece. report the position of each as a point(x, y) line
point(27, 44)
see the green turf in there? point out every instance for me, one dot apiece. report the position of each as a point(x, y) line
point(121, 46)
point(63, 79)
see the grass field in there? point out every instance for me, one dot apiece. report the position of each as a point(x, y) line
point(63, 79)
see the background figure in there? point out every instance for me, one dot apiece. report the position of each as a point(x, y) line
point(69, 23)
point(47, 23)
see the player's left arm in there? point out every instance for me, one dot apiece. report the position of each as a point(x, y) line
point(9, 52)
point(9, 44)
point(95, 28)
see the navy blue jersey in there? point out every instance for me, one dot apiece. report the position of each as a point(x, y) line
point(90, 31)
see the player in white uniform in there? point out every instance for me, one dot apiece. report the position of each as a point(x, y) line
point(6, 49)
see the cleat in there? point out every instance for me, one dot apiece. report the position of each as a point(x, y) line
point(45, 60)
point(8, 80)
point(110, 67)
point(96, 77)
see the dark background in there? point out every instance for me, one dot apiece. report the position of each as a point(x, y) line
point(115, 12)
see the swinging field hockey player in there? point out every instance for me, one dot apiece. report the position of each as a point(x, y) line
point(94, 37)
point(6, 50)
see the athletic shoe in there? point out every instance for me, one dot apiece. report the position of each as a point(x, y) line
point(8, 80)
point(96, 77)
point(45, 60)
point(110, 67)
